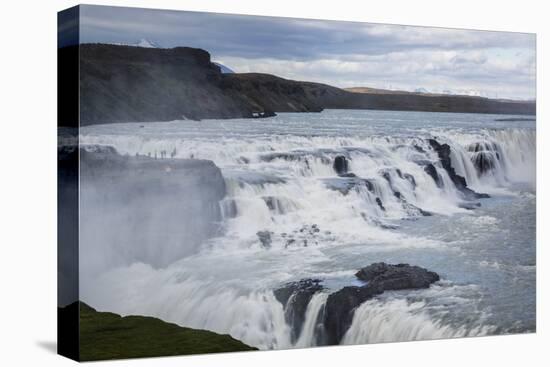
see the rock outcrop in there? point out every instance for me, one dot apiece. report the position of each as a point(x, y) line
point(337, 315)
point(444, 153)
point(340, 165)
point(380, 277)
point(141, 209)
point(400, 276)
point(485, 156)
point(295, 297)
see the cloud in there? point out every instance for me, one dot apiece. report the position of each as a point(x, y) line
point(334, 52)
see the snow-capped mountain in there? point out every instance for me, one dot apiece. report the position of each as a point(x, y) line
point(455, 92)
point(421, 90)
point(146, 43)
point(224, 69)
point(141, 43)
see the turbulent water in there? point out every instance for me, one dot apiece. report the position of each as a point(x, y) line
point(288, 216)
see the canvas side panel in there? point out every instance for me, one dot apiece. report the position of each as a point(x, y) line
point(68, 183)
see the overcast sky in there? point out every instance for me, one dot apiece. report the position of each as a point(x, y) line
point(343, 54)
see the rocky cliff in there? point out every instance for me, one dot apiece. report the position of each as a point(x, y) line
point(135, 84)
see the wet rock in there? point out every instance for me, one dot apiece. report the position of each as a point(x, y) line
point(444, 154)
point(341, 305)
point(379, 202)
point(340, 165)
point(339, 310)
point(395, 277)
point(410, 178)
point(305, 235)
point(295, 297)
point(484, 162)
point(419, 149)
point(369, 184)
point(265, 238)
point(432, 172)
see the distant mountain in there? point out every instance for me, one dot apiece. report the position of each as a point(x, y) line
point(224, 69)
point(135, 84)
point(426, 92)
point(145, 43)
point(421, 90)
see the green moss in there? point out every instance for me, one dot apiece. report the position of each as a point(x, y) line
point(105, 335)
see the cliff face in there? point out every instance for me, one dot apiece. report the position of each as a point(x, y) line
point(123, 84)
point(128, 213)
point(133, 84)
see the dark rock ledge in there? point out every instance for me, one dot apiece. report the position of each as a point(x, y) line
point(444, 153)
point(337, 316)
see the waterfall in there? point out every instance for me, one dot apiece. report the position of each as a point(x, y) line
point(285, 213)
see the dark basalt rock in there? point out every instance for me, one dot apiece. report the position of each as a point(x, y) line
point(432, 172)
point(380, 277)
point(419, 149)
point(400, 276)
point(379, 202)
point(485, 156)
point(339, 310)
point(484, 162)
point(410, 178)
point(340, 165)
point(444, 153)
point(369, 184)
point(337, 315)
point(295, 297)
point(482, 146)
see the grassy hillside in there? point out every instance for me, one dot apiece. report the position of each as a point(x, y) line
point(105, 335)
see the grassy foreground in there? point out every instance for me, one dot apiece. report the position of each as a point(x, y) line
point(106, 335)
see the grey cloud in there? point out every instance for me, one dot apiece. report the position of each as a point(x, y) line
point(334, 52)
point(283, 38)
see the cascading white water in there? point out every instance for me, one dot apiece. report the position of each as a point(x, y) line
point(511, 153)
point(398, 321)
point(311, 323)
point(313, 223)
